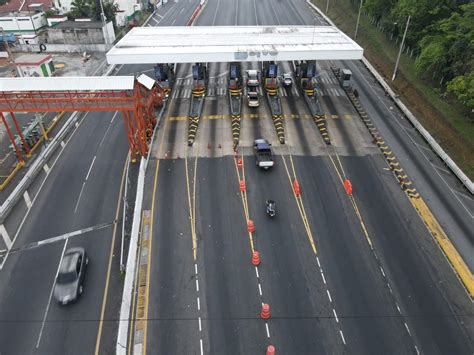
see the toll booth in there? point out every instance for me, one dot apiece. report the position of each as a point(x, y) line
point(345, 78)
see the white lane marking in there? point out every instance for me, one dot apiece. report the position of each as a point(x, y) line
point(197, 285)
point(90, 168)
point(268, 330)
point(50, 296)
point(389, 288)
point(105, 135)
point(416, 349)
point(199, 303)
point(260, 289)
point(256, 271)
point(200, 345)
point(195, 269)
point(342, 336)
point(383, 273)
point(317, 259)
point(200, 325)
point(324, 280)
point(154, 19)
point(399, 311)
point(27, 199)
point(329, 295)
point(335, 315)
point(181, 11)
point(408, 329)
point(79, 199)
point(113, 117)
point(46, 168)
point(172, 23)
point(6, 237)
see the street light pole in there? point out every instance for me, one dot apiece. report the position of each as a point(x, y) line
point(358, 18)
point(401, 48)
point(327, 6)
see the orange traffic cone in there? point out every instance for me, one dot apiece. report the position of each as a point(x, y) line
point(265, 313)
point(250, 226)
point(242, 185)
point(348, 187)
point(296, 187)
point(255, 258)
point(270, 350)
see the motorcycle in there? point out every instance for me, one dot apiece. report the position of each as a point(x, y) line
point(271, 211)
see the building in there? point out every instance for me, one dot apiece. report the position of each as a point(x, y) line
point(81, 32)
point(20, 16)
point(34, 65)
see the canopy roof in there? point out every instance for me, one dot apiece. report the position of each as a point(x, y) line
point(232, 43)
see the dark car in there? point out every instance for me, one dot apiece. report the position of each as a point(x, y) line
point(70, 281)
point(263, 153)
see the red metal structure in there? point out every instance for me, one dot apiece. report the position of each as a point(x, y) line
point(137, 106)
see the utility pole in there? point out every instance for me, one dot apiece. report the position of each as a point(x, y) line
point(327, 6)
point(358, 18)
point(401, 48)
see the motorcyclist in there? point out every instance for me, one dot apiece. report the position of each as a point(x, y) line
point(270, 207)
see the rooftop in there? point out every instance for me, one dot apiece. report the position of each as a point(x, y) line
point(78, 24)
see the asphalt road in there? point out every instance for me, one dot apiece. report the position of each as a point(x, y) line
point(377, 283)
point(81, 191)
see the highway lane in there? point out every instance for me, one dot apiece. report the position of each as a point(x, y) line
point(450, 203)
point(29, 276)
point(26, 288)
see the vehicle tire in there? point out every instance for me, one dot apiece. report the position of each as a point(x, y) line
point(81, 289)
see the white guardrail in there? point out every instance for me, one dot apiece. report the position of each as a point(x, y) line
point(413, 120)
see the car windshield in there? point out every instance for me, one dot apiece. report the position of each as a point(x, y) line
point(67, 277)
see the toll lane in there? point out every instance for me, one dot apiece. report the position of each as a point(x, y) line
point(232, 299)
point(302, 316)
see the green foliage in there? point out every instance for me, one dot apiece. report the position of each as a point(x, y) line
point(87, 9)
point(462, 87)
point(3, 2)
point(443, 31)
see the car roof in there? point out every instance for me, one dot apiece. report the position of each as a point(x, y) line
point(252, 72)
point(69, 262)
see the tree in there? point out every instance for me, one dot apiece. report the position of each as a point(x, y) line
point(87, 8)
point(3, 2)
point(462, 87)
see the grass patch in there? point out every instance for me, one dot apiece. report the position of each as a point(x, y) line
point(446, 122)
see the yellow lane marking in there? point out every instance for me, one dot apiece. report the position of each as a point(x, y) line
point(130, 334)
point(448, 248)
point(342, 176)
point(299, 203)
point(150, 243)
point(109, 266)
point(192, 203)
point(243, 195)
